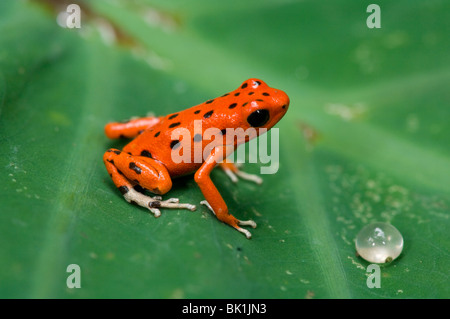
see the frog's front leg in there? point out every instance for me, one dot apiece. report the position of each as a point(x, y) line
point(131, 128)
point(214, 200)
point(132, 173)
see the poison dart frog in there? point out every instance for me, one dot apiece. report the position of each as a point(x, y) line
point(147, 162)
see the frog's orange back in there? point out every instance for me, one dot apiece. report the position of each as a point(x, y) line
point(253, 104)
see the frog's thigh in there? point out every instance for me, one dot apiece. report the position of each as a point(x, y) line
point(128, 171)
point(144, 171)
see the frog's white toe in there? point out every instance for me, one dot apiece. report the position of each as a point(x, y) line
point(244, 231)
point(172, 200)
point(240, 222)
point(247, 223)
point(204, 202)
point(249, 177)
point(233, 175)
point(155, 203)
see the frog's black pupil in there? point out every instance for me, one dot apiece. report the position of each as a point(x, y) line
point(258, 118)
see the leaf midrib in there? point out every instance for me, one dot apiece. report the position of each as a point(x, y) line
point(50, 267)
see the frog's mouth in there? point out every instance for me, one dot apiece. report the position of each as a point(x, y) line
point(275, 118)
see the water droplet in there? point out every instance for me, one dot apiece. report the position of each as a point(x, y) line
point(379, 243)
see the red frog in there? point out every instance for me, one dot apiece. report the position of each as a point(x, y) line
point(147, 162)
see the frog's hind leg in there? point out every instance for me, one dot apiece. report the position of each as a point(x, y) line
point(132, 175)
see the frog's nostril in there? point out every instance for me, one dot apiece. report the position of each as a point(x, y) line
point(284, 106)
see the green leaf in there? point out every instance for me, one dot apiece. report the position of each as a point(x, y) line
point(365, 139)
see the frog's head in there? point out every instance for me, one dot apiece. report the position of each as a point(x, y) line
point(264, 106)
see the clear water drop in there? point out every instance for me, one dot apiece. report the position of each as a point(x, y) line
point(379, 243)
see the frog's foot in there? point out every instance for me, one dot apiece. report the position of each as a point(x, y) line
point(233, 173)
point(154, 203)
point(234, 222)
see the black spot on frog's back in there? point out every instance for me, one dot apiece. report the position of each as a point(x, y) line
point(146, 153)
point(208, 114)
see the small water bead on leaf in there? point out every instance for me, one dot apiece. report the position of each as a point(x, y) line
point(379, 243)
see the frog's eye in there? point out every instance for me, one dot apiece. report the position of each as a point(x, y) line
point(258, 118)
